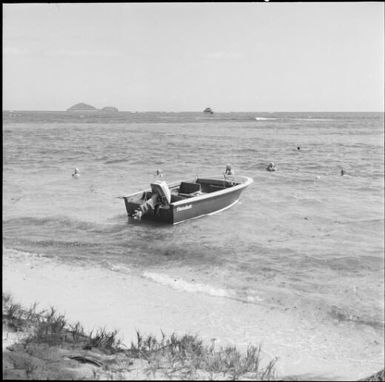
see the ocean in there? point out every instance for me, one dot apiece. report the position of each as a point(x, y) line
point(303, 240)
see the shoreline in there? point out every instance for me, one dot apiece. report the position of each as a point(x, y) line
point(104, 298)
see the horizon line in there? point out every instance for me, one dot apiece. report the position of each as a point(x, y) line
point(195, 111)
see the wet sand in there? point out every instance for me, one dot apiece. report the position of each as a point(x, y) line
point(99, 297)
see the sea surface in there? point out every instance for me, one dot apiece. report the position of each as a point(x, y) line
point(303, 238)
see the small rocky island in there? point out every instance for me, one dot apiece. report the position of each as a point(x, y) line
point(85, 107)
point(81, 107)
point(208, 110)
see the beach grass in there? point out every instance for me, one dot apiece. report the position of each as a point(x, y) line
point(47, 339)
point(188, 354)
point(377, 377)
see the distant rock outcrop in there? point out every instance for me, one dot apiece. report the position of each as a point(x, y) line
point(81, 107)
point(208, 110)
point(84, 107)
point(110, 109)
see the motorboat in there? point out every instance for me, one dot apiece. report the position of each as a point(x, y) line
point(185, 200)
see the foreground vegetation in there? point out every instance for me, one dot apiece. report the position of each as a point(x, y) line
point(377, 377)
point(43, 345)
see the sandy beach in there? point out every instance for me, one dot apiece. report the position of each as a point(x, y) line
point(104, 298)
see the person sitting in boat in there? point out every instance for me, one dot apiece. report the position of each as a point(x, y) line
point(229, 170)
point(271, 167)
point(76, 173)
point(229, 174)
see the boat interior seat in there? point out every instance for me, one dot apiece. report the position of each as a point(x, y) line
point(176, 198)
point(189, 189)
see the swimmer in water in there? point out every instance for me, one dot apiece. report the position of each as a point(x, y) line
point(271, 167)
point(298, 148)
point(76, 173)
point(342, 172)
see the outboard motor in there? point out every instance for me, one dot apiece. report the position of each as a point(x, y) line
point(160, 187)
point(161, 195)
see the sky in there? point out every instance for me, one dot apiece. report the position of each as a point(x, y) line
point(189, 56)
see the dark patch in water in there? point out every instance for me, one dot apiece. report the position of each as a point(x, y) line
point(64, 244)
point(344, 316)
point(112, 161)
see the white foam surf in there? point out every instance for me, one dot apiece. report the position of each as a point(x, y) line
point(182, 285)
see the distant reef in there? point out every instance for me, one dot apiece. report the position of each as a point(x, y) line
point(110, 109)
point(84, 107)
point(208, 110)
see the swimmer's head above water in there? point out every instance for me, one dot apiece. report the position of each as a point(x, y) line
point(271, 167)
